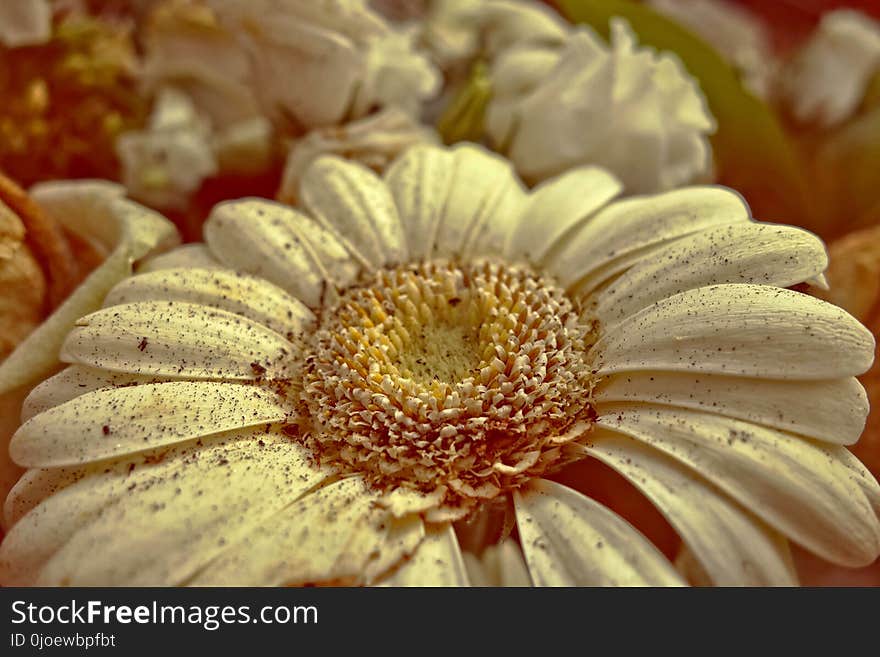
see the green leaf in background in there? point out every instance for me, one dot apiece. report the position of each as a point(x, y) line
point(462, 120)
point(752, 152)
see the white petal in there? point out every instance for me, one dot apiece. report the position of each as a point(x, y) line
point(833, 411)
point(351, 200)
point(179, 339)
point(485, 197)
point(250, 297)
point(499, 565)
point(187, 255)
point(50, 506)
point(73, 381)
point(117, 421)
point(737, 253)
point(162, 533)
point(788, 482)
point(328, 536)
point(570, 540)
point(558, 206)
point(733, 547)
point(419, 180)
point(436, 562)
point(739, 330)
point(285, 247)
point(627, 230)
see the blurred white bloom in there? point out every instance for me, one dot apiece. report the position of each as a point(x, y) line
point(828, 78)
point(373, 141)
point(165, 163)
point(737, 35)
point(317, 64)
point(25, 22)
point(632, 110)
point(185, 46)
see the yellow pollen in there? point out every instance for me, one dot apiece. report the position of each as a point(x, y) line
point(457, 381)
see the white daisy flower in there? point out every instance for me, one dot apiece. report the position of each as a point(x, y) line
point(328, 388)
point(828, 78)
point(738, 36)
point(629, 109)
point(25, 22)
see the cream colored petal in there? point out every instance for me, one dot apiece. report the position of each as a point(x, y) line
point(328, 536)
point(50, 506)
point(253, 298)
point(558, 206)
point(570, 540)
point(787, 481)
point(127, 230)
point(187, 255)
point(484, 199)
point(436, 562)
point(833, 411)
point(850, 467)
point(73, 381)
point(179, 339)
point(586, 257)
point(349, 199)
point(739, 330)
point(114, 422)
point(275, 242)
point(766, 254)
point(175, 526)
point(499, 565)
point(419, 181)
point(733, 547)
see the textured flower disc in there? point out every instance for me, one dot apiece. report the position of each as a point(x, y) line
point(461, 381)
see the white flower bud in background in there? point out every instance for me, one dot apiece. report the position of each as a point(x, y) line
point(828, 78)
point(165, 163)
point(629, 109)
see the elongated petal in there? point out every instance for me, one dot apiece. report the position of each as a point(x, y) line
point(788, 482)
point(175, 526)
point(628, 228)
point(484, 200)
point(328, 536)
point(733, 547)
point(73, 381)
point(285, 247)
point(419, 181)
point(179, 339)
point(570, 540)
point(250, 297)
point(50, 506)
point(436, 562)
point(117, 421)
point(557, 207)
point(499, 565)
point(833, 411)
point(188, 255)
point(739, 330)
point(351, 200)
point(737, 253)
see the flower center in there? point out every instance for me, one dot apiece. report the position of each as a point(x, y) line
point(457, 381)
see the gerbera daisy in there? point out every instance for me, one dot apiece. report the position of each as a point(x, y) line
point(320, 394)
